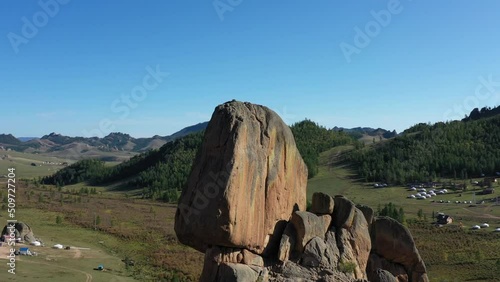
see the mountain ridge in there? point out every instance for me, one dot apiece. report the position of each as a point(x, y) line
point(114, 141)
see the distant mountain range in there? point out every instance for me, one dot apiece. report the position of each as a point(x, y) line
point(61, 145)
point(113, 142)
point(363, 131)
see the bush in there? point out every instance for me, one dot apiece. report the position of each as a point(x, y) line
point(347, 267)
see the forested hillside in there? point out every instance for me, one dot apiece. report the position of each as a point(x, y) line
point(161, 173)
point(312, 139)
point(458, 149)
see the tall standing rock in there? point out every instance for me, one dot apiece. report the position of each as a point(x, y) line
point(246, 181)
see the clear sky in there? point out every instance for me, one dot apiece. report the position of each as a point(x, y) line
point(83, 67)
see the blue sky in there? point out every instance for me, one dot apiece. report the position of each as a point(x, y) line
point(428, 62)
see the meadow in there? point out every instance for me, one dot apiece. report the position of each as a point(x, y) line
point(451, 253)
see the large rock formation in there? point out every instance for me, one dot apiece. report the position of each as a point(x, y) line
point(245, 183)
point(19, 230)
point(244, 207)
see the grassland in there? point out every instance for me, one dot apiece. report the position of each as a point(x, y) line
point(76, 264)
point(31, 165)
point(22, 163)
point(452, 253)
point(130, 227)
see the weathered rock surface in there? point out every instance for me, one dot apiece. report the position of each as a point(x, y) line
point(231, 272)
point(355, 243)
point(332, 251)
point(343, 213)
point(250, 258)
point(287, 243)
point(245, 183)
point(367, 212)
point(322, 203)
point(314, 253)
point(308, 225)
point(393, 242)
point(383, 276)
point(375, 262)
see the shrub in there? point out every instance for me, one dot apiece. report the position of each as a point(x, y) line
point(347, 267)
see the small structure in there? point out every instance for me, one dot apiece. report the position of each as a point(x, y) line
point(36, 243)
point(25, 251)
point(444, 219)
point(488, 191)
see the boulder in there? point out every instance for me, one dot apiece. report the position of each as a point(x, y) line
point(314, 253)
point(367, 212)
point(211, 264)
point(375, 262)
point(322, 203)
point(246, 181)
point(20, 230)
point(231, 272)
point(393, 242)
point(307, 226)
point(343, 213)
point(355, 244)
point(383, 276)
point(287, 243)
point(250, 258)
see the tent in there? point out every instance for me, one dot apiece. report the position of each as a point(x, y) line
point(25, 251)
point(58, 246)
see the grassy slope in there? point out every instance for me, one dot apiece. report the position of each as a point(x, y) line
point(450, 253)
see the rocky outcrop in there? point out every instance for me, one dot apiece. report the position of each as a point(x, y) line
point(245, 183)
point(19, 230)
point(244, 207)
point(307, 226)
point(393, 242)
